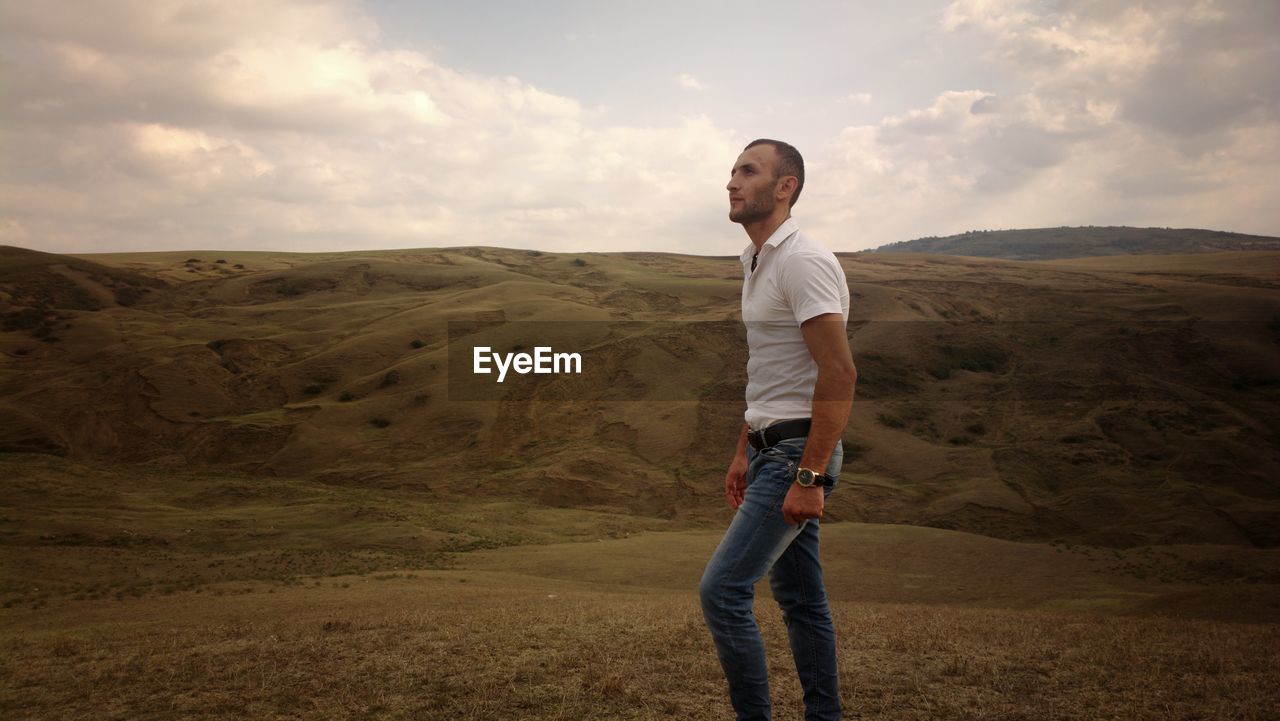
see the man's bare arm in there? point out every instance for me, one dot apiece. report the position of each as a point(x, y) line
point(832, 399)
point(735, 480)
point(833, 391)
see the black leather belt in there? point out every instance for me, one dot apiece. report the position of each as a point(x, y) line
point(778, 432)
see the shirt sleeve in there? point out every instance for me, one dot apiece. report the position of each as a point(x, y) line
point(813, 284)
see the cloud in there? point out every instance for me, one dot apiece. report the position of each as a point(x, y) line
point(136, 125)
point(1144, 115)
point(132, 125)
point(688, 82)
point(1183, 66)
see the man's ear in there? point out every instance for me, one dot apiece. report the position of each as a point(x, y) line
point(786, 187)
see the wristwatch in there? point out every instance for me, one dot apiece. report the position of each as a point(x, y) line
point(807, 477)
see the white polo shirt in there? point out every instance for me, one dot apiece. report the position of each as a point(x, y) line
point(795, 279)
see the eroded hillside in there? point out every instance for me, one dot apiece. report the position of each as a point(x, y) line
point(1118, 401)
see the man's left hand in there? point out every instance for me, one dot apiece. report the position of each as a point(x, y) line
point(802, 503)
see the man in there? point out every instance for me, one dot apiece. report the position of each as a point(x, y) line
point(800, 380)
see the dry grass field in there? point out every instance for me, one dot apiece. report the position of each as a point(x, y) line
point(248, 485)
point(222, 597)
point(485, 644)
point(1118, 402)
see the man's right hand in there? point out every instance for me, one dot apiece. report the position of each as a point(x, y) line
point(735, 481)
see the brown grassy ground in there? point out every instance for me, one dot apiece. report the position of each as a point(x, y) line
point(135, 594)
point(477, 645)
point(933, 624)
point(73, 532)
point(231, 535)
point(1119, 402)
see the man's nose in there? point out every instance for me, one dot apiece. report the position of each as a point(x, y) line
point(732, 184)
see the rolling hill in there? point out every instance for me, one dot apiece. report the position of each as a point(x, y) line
point(1055, 243)
point(1118, 402)
point(247, 485)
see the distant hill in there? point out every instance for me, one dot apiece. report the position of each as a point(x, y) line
point(36, 287)
point(31, 278)
point(1084, 242)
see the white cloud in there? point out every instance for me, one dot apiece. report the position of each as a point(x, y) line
point(1185, 66)
point(1147, 115)
point(135, 124)
point(688, 82)
point(286, 125)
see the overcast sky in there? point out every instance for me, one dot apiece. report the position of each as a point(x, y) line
point(582, 125)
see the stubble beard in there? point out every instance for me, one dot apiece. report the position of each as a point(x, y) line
point(753, 210)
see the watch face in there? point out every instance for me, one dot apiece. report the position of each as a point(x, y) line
point(806, 477)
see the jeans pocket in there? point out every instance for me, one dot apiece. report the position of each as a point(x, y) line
point(781, 459)
point(832, 472)
point(788, 450)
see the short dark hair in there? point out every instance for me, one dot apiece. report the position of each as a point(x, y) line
point(789, 163)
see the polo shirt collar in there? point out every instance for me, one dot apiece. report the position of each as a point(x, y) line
point(784, 231)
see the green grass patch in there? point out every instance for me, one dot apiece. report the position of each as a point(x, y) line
point(891, 421)
point(978, 358)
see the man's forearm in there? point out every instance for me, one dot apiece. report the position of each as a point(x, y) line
point(832, 401)
point(742, 441)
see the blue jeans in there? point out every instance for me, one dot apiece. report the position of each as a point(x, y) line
point(759, 541)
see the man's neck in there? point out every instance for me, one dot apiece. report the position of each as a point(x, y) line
point(762, 230)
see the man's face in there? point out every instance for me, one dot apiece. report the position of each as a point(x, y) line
point(752, 186)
